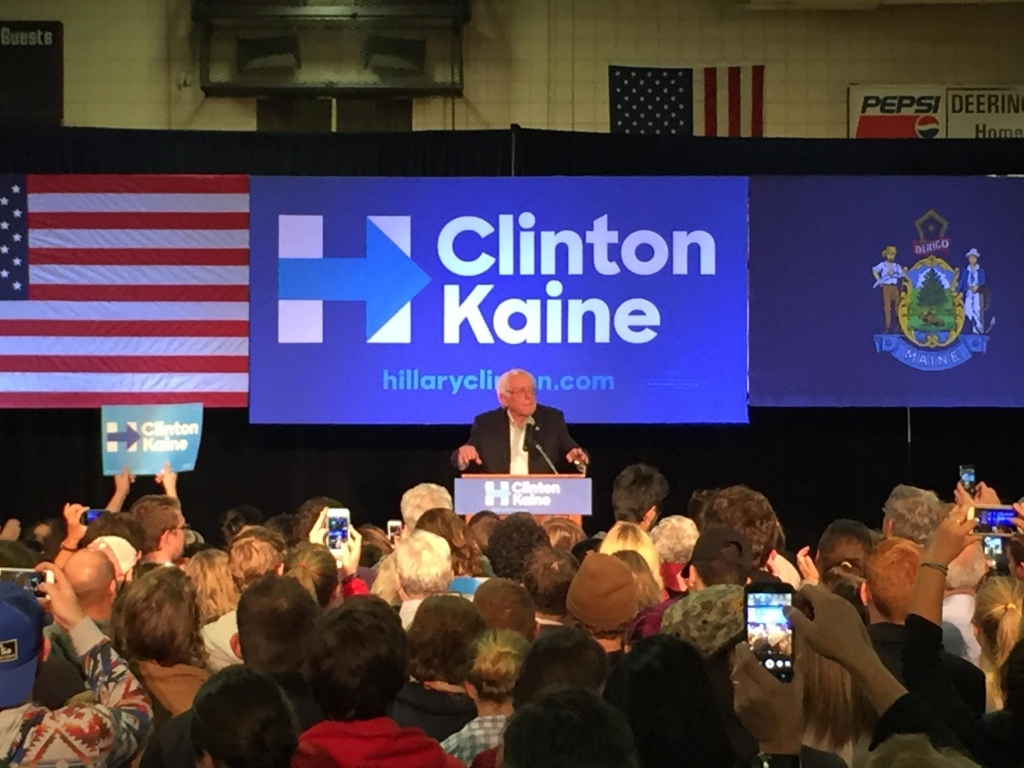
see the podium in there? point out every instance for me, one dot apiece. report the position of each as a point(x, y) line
point(541, 495)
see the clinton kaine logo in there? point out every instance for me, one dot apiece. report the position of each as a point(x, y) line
point(934, 312)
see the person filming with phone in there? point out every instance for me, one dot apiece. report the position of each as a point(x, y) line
point(521, 437)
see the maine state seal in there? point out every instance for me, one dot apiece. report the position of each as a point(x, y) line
point(934, 312)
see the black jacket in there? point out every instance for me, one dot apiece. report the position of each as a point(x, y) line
point(994, 740)
point(490, 435)
point(437, 713)
point(171, 744)
point(890, 641)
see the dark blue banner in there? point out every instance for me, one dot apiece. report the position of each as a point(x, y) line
point(401, 301)
point(886, 291)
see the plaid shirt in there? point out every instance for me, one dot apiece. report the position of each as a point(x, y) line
point(105, 734)
point(479, 735)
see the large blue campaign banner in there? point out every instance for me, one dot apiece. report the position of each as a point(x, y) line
point(401, 301)
point(885, 291)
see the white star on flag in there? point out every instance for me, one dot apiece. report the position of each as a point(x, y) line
point(17, 237)
point(17, 285)
point(4, 225)
point(17, 213)
point(3, 273)
point(3, 249)
point(3, 201)
point(16, 262)
point(15, 189)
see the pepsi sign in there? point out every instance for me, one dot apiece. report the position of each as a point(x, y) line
point(897, 112)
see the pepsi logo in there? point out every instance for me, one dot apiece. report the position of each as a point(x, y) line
point(927, 127)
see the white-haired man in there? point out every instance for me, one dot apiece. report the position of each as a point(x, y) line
point(515, 438)
point(422, 498)
point(424, 564)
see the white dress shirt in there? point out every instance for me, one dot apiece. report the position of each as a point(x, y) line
point(519, 463)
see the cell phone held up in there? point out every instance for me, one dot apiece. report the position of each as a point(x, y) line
point(27, 578)
point(338, 522)
point(769, 630)
point(968, 479)
point(993, 519)
point(90, 516)
point(394, 531)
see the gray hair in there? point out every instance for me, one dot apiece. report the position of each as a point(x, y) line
point(502, 386)
point(967, 569)
point(424, 564)
point(674, 538)
point(421, 498)
point(914, 513)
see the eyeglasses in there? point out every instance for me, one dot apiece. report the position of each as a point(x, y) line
point(523, 391)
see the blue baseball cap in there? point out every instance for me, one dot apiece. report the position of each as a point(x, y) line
point(21, 639)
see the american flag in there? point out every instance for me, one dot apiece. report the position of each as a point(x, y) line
point(123, 290)
point(705, 101)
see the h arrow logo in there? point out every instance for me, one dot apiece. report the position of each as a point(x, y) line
point(497, 494)
point(386, 279)
point(130, 436)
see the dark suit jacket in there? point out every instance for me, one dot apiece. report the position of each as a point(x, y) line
point(490, 435)
point(889, 641)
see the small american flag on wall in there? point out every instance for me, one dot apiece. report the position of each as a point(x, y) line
point(123, 289)
point(693, 101)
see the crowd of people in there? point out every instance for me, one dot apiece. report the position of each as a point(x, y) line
point(508, 641)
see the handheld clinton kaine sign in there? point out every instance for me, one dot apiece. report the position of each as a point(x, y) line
point(144, 437)
point(402, 300)
point(886, 291)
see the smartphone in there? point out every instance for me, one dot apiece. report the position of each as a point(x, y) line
point(994, 552)
point(338, 521)
point(968, 479)
point(993, 519)
point(394, 530)
point(769, 630)
point(28, 578)
point(90, 516)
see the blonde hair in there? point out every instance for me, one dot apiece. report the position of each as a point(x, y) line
point(914, 750)
point(647, 591)
point(385, 584)
point(997, 615)
point(497, 658)
point(836, 712)
point(215, 589)
point(631, 536)
point(254, 552)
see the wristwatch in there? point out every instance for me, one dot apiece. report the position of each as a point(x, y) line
point(765, 760)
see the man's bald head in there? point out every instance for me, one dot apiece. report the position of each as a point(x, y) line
point(92, 577)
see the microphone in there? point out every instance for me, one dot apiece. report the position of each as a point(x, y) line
point(530, 441)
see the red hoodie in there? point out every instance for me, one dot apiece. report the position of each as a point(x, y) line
point(379, 742)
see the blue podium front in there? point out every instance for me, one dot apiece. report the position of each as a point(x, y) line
point(536, 494)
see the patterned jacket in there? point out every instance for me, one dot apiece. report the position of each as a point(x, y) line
point(108, 733)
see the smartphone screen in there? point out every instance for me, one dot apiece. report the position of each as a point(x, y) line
point(769, 631)
point(997, 521)
point(90, 516)
point(394, 530)
point(337, 528)
point(25, 577)
point(967, 478)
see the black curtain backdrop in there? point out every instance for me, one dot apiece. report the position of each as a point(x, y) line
point(814, 464)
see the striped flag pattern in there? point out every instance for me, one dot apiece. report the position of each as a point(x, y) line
point(702, 101)
point(127, 290)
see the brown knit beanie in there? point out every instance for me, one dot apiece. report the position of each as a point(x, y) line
point(602, 594)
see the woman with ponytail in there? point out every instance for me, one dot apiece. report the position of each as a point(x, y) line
point(314, 567)
point(999, 623)
point(498, 657)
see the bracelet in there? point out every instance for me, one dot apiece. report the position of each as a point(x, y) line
point(944, 569)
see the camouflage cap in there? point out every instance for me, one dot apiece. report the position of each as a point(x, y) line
point(708, 620)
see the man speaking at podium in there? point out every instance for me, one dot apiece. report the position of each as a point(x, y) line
point(521, 437)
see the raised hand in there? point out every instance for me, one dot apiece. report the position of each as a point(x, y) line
point(807, 566)
point(952, 537)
